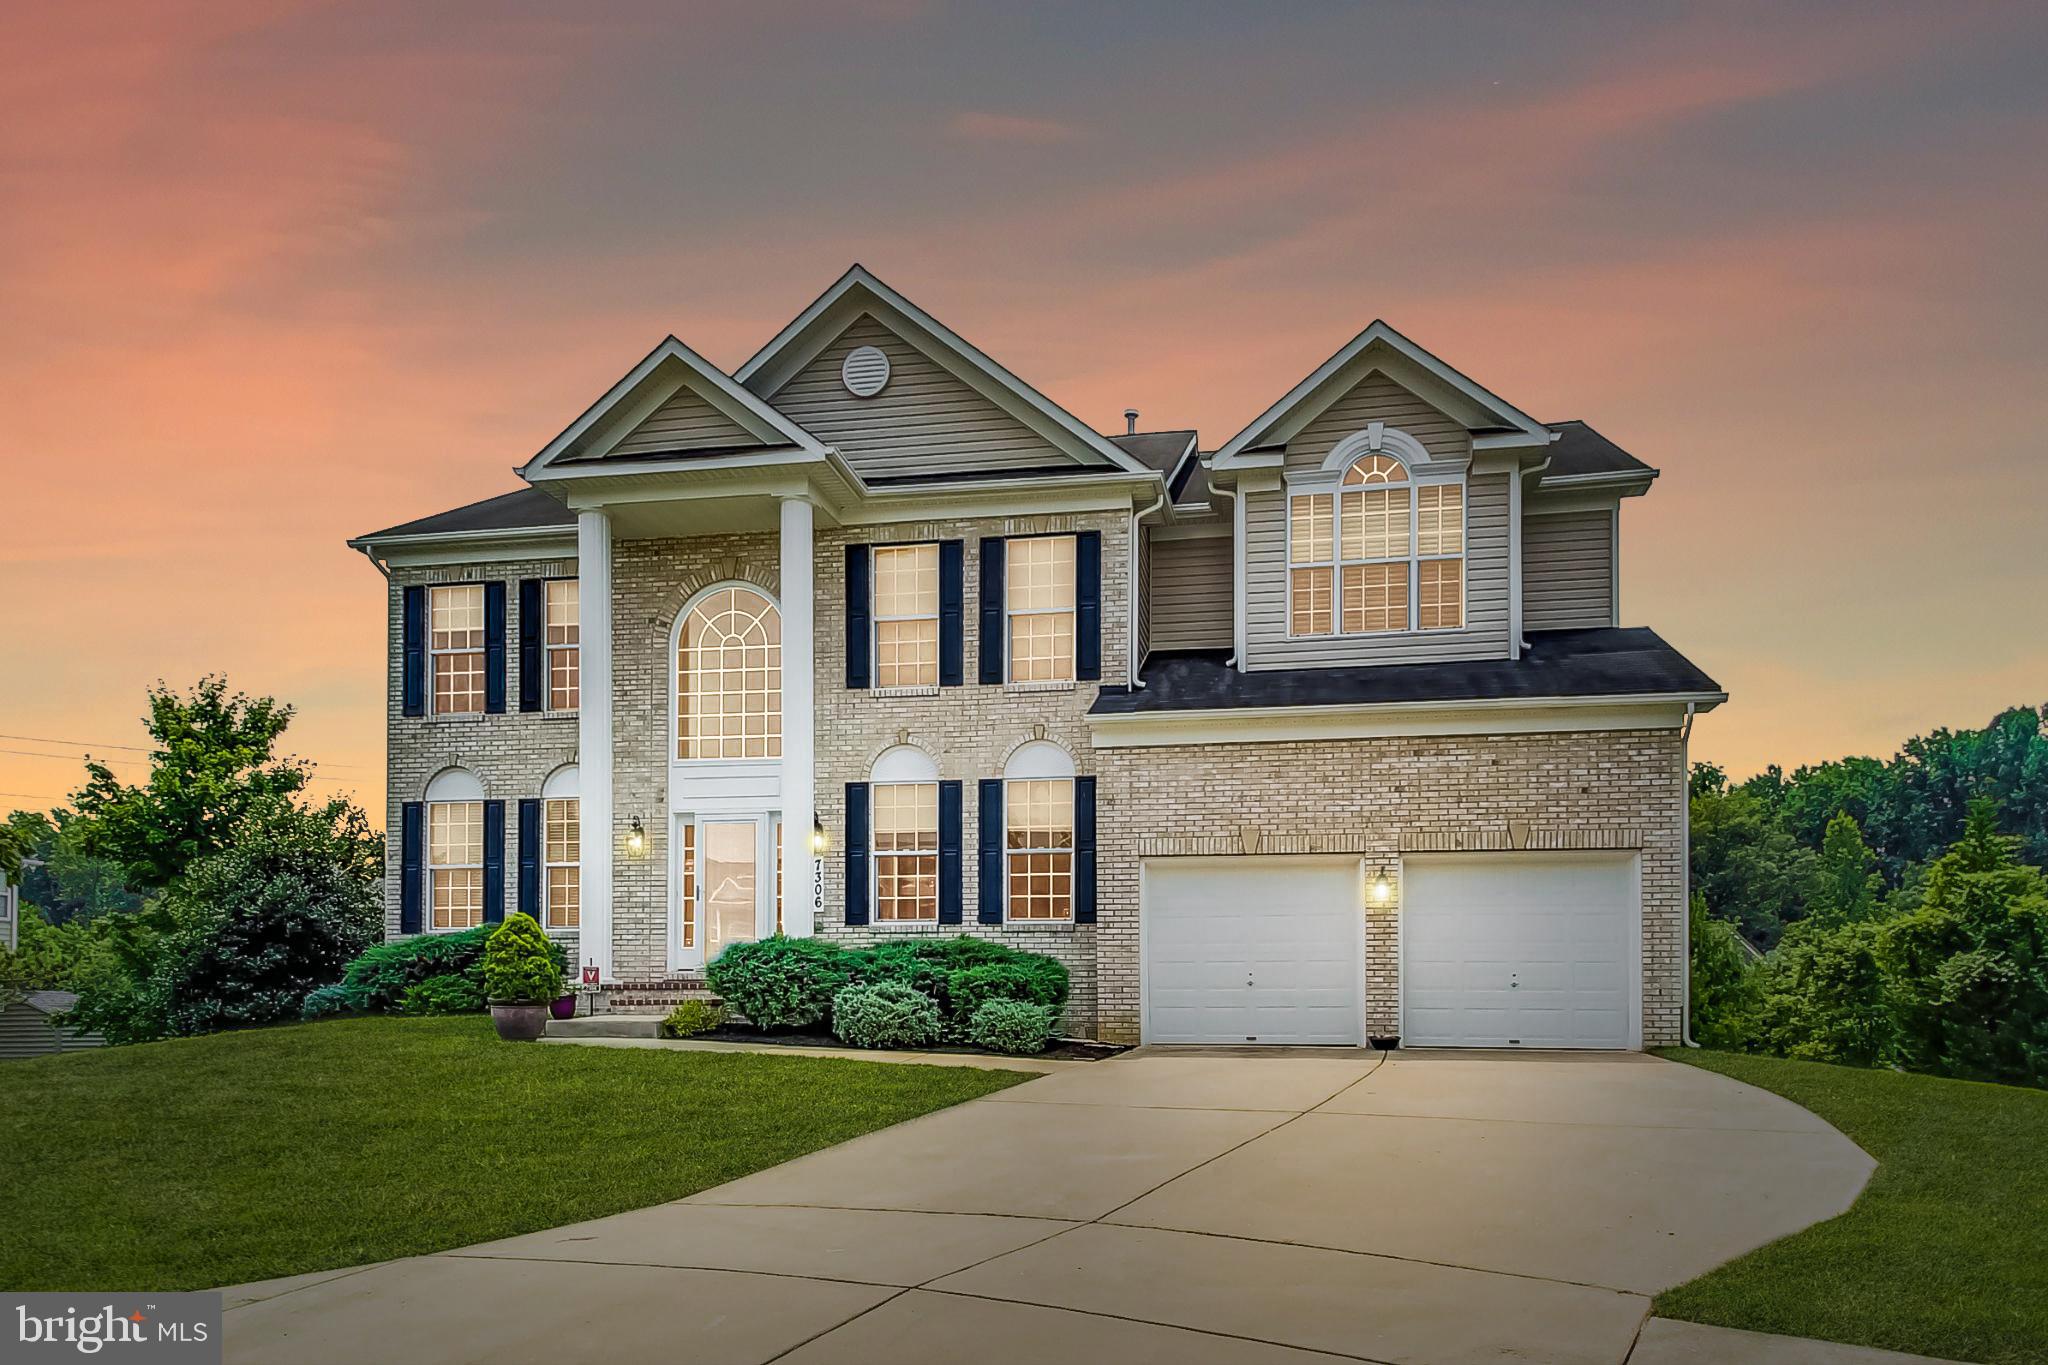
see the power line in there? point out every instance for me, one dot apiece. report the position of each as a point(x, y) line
point(130, 748)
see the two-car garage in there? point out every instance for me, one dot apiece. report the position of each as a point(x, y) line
point(1521, 949)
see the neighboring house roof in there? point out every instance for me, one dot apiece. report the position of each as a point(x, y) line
point(1607, 662)
point(50, 1002)
point(1172, 453)
point(1579, 450)
point(527, 509)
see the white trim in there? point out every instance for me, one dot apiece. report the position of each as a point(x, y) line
point(796, 548)
point(985, 372)
point(453, 784)
point(1274, 724)
point(675, 683)
point(595, 826)
point(1378, 439)
point(561, 783)
point(902, 764)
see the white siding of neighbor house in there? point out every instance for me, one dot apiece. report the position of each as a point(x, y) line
point(1483, 636)
point(685, 422)
point(1190, 592)
point(925, 421)
point(27, 1032)
point(1568, 570)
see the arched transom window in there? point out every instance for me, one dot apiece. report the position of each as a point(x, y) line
point(729, 677)
point(1383, 552)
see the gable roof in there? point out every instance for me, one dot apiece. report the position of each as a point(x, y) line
point(529, 509)
point(1172, 453)
point(1493, 420)
point(858, 291)
point(666, 370)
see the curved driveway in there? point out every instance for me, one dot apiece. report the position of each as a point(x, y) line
point(1169, 1205)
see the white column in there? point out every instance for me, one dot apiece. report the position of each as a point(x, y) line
point(594, 738)
point(798, 730)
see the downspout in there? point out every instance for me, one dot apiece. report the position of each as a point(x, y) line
point(1521, 531)
point(1131, 628)
point(1236, 659)
point(1685, 854)
point(380, 565)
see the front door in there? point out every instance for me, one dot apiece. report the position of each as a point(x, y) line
point(730, 884)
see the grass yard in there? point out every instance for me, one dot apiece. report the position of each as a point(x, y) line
point(215, 1161)
point(1946, 1253)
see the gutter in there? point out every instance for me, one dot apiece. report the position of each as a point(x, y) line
point(1131, 660)
point(1692, 701)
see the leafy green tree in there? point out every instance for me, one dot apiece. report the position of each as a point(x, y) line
point(59, 877)
point(1725, 994)
point(12, 849)
point(1753, 873)
point(1968, 970)
point(1824, 996)
point(1707, 779)
point(1845, 887)
point(213, 762)
point(46, 956)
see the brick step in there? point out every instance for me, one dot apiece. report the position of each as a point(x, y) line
point(652, 995)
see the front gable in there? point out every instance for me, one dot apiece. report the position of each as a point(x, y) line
point(685, 422)
point(1378, 397)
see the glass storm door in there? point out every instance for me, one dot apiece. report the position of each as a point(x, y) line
point(730, 883)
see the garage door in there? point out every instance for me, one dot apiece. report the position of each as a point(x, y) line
point(1518, 950)
point(1252, 950)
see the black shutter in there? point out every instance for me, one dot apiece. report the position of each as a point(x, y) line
point(952, 613)
point(529, 859)
point(856, 853)
point(494, 648)
point(859, 614)
point(413, 631)
point(992, 610)
point(1084, 850)
point(949, 853)
point(494, 862)
point(411, 862)
point(532, 632)
point(991, 849)
point(1088, 605)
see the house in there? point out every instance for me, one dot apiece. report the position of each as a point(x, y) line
point(31, 1025)
point(1328, 733)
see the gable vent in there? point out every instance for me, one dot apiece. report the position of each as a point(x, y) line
point(864, 371)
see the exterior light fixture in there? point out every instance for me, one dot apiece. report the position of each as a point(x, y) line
point(1382, 890)
point(819, 843)
point(636, 838)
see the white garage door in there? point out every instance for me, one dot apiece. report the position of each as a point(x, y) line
point(1519, 950)
point(1252, 950)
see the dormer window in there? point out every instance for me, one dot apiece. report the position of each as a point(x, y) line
point(1383, 552)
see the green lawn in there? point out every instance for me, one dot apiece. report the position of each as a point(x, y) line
point(214, 1161)
point(1946, 1253)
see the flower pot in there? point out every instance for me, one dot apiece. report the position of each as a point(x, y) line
point(565, 1008)
point(519, 1023)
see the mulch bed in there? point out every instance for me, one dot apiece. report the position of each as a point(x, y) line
point(1064, 1050)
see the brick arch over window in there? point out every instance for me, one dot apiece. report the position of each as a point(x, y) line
point(765, 576)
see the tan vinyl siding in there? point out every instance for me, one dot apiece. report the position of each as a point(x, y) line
point(1483, 636)
point(1568, 570)
point(685, 422)
point(1191, 593)
point(1377, 398)
point(1141, 596)
point(925, 421)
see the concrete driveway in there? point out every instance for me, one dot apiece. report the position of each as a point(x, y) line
point(1167, 1206)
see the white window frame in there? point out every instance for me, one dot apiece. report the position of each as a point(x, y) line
point(562, 785)
point(435, 656)
point(904, 765)
point(1329, 479)
point(451, 787)
point(876, 619)
point(548, 649)
point(1073, 613)
point(678, 693)
point(1040, 761)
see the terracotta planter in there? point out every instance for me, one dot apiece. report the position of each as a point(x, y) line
point(565, 1008)
point(519, 1023)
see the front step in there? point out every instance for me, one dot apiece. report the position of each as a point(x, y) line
point(635, 996)
point(607, 1026)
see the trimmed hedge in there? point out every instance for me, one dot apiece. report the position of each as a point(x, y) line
point(884, 1014)
point(781, 983)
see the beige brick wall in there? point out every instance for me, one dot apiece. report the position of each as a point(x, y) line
point(1380, 798)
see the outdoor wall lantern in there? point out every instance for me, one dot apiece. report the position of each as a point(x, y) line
point(1380, 889)
point(636, 838)
point(819, 843)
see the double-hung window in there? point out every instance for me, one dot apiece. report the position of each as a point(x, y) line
point(562, 842)
point(1039, 847)
point(455, 863)
point(565, 654)
point(456, 644)
point(906, 614)
point(1383, 552)
point(906, 834)
point(1039, 599)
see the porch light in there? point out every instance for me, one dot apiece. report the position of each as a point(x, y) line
point(819, 843)
point(636, 838)
point(1382, 889)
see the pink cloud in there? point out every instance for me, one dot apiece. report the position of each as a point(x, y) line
point(976, 125)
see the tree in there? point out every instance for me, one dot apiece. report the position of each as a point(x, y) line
point(249, 930)
point(1753, 873)
point(1708, 779)
point(12, 849)
point(1845, 888)
point(1724, 982)
point(213, 762)
point(46, 957)
point(59, 877)
point(1968, 970)
point(1824, 996)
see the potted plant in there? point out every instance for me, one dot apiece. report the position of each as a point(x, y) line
point(565, 1003)
point(521, 978)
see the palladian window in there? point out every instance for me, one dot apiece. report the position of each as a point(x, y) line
point(1383, 552)
point(729, 677)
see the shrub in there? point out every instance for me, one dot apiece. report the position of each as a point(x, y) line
point(327, 1001)
point(935, 965)
point(518, 968)
point(449, 994)
point(693, 1017)
point(1013, 1026)
point(969, 990)
point(902, 962)
point(377, 981)
point(884, 1014)
point(781, 982)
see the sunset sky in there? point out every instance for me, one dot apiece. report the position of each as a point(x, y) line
point(272, 275)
